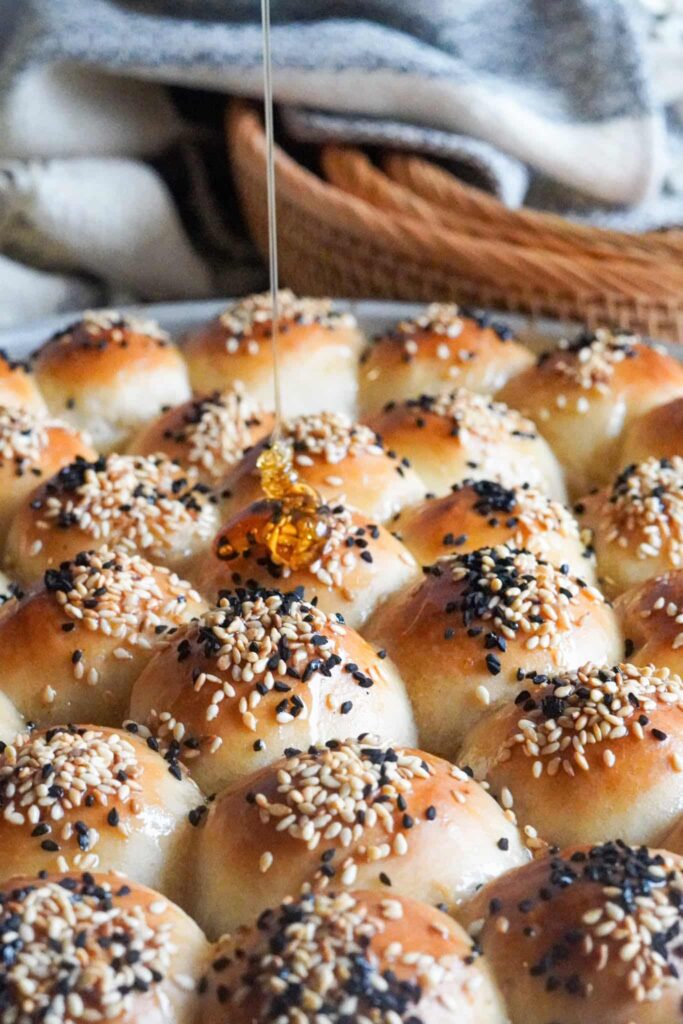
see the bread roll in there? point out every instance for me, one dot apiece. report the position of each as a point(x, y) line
point(9, 591)
point(11, 722)
point(318, 353)
point(592, 935)
point(651, 618)
point(354, 813)
point(207, 434)
point(583, 396)
point(465, 636)
point(88, 798)
point(635, 526)
point(442, 347)
point(350, 957)
point(18, 388)
point(342, 460)
point(673, 839)
point(484, 513)
point(460, 435)
point(107, 374)
point(148, 504)
point(361, 563)
point(262, 672)
point(658, 433)
point(84, 947)
point(589, 755)
point(71, 648)
point(32, 449)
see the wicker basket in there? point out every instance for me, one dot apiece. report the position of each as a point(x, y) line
point(411, 231)
point(442, 189)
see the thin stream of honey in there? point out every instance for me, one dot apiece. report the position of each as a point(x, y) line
point(272, 211)
point(296, 535)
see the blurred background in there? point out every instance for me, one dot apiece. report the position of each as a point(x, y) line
point(524, 154)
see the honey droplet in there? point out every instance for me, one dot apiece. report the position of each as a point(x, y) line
point(297, 533)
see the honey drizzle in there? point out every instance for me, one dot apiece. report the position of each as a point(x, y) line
point(296, 533)
point(272, 214)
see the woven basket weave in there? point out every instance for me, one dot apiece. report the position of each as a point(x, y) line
point(410, 230)
point(444, 191)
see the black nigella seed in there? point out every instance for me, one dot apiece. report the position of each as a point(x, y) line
point(493, 664)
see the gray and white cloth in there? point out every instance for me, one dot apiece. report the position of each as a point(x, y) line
point(570, 105)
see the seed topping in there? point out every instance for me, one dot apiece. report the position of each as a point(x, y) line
point(146, 502)
point(103, 327)
point(313, 960)
point(346, 544)
point(473, 417)
point(591, 360)
point(521, 508)
point(664, 607)
point(47, 776)
point(634, 921)
point(339, 793)
point(74, 953)
point(121, 596)
point(446, 319)
point(645, 504)
point(258, 649)
point(576, 721)
point(24, 439)
point(502, 594)
point(240, 319)
point(330, 436)
point(217, 430)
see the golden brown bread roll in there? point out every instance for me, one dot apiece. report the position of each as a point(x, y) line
point(32, 449)
point(18, 388)
point(351, 814)
point(148, 504)
point(583, 396)
point(208, 434)
point(484, 513)
point(588, 755)
point(591, 935)
point(460, 435)
point(360, 565)
point(658, 433)
point(73, 645)
point(89, 798)
point(651, 618)
point(318, 353)
point(464, 636)
point(96, 948)
point(635, 526)
point(350, 957)
point(262, 672)
point(673, 839)
point(342, 460)
point(106, 374)
point(443, 347)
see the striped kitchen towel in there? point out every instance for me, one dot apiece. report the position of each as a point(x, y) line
point(572, 105)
